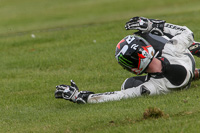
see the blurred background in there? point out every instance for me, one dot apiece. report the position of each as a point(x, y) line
point(36, 15)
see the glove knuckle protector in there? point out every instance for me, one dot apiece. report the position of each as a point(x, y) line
point(138, 23)
point(59, 91)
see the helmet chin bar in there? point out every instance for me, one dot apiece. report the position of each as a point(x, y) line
point(139, 71)
point(136, 71)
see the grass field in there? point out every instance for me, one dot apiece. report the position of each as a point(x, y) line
point(76, 39)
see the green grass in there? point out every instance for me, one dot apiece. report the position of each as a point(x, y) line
point(64, 49)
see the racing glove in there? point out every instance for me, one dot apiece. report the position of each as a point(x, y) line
point(146, 25)
point(72, 93)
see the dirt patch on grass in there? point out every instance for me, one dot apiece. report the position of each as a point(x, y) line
point(153, 112)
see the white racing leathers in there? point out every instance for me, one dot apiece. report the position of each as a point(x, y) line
point(178, 69)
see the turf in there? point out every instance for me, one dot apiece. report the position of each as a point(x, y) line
point(76, 40)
